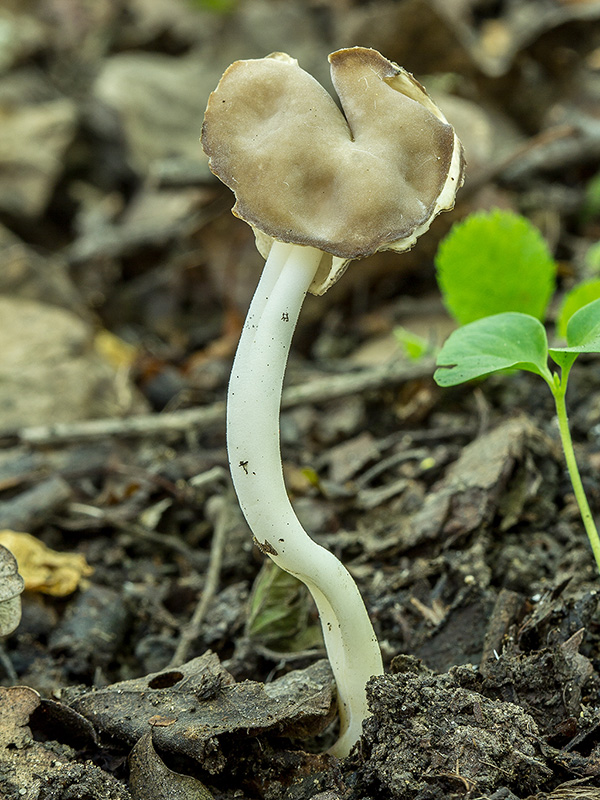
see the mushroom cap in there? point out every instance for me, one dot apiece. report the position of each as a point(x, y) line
point(349, 184)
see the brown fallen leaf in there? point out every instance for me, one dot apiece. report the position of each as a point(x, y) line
point(495, 474)
point(207, 711)
point(11, 586)
point(45, 570)
point(17, 704)
point(33, 765)
point(151, 779)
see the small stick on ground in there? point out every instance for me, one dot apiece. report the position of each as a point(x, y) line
point(218, 508)
point(320, 390)
point(140, 533)
point(35, 505)
point(7, 665)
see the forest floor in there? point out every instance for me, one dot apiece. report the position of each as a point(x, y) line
point(158, 654)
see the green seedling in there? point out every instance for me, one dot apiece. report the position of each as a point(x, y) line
point(579, 296)
point(513, 340)
point(591, 202)
point(497, 277)
point(489, 263)
point(216, 6)
point(415, 347)
point(494, 262)
point(592, 260)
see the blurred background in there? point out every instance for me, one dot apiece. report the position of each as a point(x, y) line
point(124, 282)
point(124, 278)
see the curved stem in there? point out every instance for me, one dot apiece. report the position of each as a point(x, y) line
point(255, 459)
point(579, 491)
point(280, 251)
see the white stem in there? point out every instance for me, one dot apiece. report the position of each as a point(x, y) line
point(255, 460)
point(271, 271)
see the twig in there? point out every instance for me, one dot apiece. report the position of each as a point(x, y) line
point(7, 664)
point(285, 658)
point(141, 533)
point(191, 631)
point(34, 505)
point(562, 145)
point(320, 390)
point(332, 387)
point(133, 426)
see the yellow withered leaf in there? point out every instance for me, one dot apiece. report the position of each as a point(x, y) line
point(115, 351)
point(45, 570)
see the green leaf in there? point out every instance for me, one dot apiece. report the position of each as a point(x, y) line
point(279, 613)
point(495, 262)
point(583, 329)
point(413, 345)
point(583, 335)
point(217, 6)
point(503, 341)
point(591, 203)
point(577, 298)
point(592, 259)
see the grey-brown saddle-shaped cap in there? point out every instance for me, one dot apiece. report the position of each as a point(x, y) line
point(371, 178)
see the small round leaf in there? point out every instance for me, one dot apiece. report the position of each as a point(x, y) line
point(495, 262)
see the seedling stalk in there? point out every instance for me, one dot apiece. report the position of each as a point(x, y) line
point(558, 387)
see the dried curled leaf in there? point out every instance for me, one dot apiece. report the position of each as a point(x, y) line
point(45, 570)
point(193, 707)
point(370, 178)
point(11, 586)
point(151, 779)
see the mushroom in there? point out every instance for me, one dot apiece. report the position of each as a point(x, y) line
point(319, 188)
